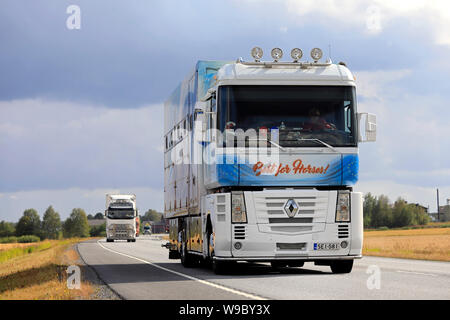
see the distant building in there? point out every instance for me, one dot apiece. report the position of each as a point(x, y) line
point(433, 216)
point(444, 211)
point(96, 222)
point(425, 209)
point(158, 227)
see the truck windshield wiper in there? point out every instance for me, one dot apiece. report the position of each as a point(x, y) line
point(277, 145)
point(320, 141)
point(271, 142)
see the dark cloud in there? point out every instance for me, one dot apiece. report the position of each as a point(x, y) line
point(132, 53)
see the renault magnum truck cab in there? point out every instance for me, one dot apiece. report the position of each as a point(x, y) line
point(260, 162)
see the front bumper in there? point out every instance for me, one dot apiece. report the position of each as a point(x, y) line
point(121, 234)
point(271, 235)
point(255, 245)
point(305, 259)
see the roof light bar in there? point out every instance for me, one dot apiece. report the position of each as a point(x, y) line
point(316, 54)
point(277, 54)
point(296, 54)
point(257, 53)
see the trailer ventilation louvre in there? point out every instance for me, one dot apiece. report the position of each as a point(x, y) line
point(343, 231)
point(239, 232)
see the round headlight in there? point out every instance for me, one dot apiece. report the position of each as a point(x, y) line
point(257, 53)
point(296, 54)
point(277, 54)
point(316, 54)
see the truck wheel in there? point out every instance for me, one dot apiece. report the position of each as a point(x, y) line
point(187, 260)
point(134, 240)
point(173, 254)
point(344, 266)
point(109, 240)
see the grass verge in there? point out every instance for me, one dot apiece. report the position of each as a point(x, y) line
point(424, 244)
point(38, 272)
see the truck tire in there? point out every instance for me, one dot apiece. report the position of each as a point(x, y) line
point(343, 266)
point(109, 240)
point(173, 254)
point(187, 260)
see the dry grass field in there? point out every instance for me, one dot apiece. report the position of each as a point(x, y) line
point(41, 273)
point(8, 246)
point(425, 244)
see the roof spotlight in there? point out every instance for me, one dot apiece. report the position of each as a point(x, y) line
point(277, 54)
point(296, 54)
point(316, 54)
point(257, 53)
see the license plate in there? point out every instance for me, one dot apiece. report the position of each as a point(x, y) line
point(326, 246)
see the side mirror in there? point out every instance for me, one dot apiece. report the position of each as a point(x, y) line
point(370, 128)
point(201, 117)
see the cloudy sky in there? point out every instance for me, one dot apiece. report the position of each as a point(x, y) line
point(81, 109)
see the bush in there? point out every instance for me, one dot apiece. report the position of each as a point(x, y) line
point(8, 240)
point(22, 239)
point(28, 239)
point(383, 228)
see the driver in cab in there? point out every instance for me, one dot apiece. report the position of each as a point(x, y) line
point(316, 122)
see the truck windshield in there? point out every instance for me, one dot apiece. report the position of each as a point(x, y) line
point(300, 113)
point(120, 213)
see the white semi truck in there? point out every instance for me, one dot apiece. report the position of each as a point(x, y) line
point(121, 214)
point(260, 162)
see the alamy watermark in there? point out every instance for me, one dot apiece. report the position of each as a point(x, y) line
point(374, 280)
point(73, 22)
point(228, 147)
point(373, 19)
point(74, 277)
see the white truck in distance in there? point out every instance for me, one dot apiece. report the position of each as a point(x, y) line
point(121, 216)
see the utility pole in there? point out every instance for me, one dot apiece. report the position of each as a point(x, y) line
point(439, 218)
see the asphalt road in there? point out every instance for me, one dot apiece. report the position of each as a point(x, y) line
point(142, 270)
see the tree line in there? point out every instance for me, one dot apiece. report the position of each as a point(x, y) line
point(52, 227)
point(379, 213)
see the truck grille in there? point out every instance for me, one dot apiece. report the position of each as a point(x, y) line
point(290, 211)
point(121, 231)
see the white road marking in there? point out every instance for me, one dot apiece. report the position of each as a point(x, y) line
point(217, 286)
point(418, 273)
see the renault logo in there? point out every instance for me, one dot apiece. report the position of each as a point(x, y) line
point(291, 208)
